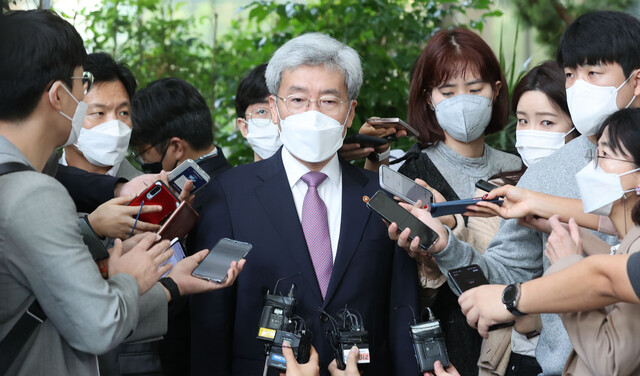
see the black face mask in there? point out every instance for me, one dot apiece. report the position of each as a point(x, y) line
point(155, 167)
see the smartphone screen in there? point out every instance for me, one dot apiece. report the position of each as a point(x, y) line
point(178, 254)
point(388, 209)
point(188, 170)
point(467, 277)
point(403, 187)
point(214, 267)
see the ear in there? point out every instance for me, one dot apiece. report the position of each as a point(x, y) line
point(636, 86)
point(179, 147)
point(429, 99)
point(55, 95)
point(274, 111)
point(497, 86)
point(243, 127)
point(352, 114)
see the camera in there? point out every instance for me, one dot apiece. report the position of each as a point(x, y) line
point(279, 324)
point(347, 333)
point(428, 343)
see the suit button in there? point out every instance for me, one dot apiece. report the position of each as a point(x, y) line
point(324, 317)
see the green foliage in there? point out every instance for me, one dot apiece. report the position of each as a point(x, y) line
point(388, 34)
point(551, 17)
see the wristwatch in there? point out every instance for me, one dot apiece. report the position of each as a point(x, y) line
point(510, 297)
point(377, 157)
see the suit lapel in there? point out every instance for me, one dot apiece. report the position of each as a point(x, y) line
point(355, 216)
point(275, 196)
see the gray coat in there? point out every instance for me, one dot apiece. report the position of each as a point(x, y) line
point(42, 256)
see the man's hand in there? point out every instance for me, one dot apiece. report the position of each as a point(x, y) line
point(310, 368)
point(413, 246)
point(188, 284)
point(483, 307)
point(438, 370)
point(352, 364)
point(135, 186)
point(563, 243)
point(115, 219)
point(142, 261)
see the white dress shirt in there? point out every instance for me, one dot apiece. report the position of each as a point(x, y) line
point(330, 191)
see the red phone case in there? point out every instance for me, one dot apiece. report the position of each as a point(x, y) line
point(156, 194)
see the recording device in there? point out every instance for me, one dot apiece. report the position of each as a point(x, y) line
point(390, 211)
point(188, 170)
point(156, 194)
point(346, 333)
point(215, 265)
point(279, 324)
point(468, 277)
point(392, 122)
point(428, 342)
point(365, 140)
point(403, 187)
point(485, 185)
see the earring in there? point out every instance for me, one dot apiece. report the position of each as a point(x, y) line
point(638, 190)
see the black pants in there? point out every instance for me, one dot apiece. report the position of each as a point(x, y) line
point(522, 365)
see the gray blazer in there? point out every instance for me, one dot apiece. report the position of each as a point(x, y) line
point(42, 256)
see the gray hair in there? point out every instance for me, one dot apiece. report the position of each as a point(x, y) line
point(316, 49)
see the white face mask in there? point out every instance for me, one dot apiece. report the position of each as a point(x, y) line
point(465, 116)
point(311, 135)
point(534, 146)
point(264, 139)
point(105, 145)
point(590, 104)
point(78, 117)
point(599, 189)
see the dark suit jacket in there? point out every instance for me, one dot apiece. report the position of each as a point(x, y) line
point(253, 203)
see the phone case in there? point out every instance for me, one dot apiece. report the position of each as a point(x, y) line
point(385, 122)
point(188, 170)
point(439, 209)
point(156, 194)
point(179, 223)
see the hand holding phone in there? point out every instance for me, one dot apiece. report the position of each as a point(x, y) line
point(468, 277)
point(214, 267)
point(403, 187)
point(440, 209)
point(156, 194)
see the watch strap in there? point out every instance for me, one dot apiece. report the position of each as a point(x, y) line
point(511, 304)
point(170, 285)
point(377, 157)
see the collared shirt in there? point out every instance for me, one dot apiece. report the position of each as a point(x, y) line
point(330, 190)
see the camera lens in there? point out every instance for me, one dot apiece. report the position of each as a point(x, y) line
point(153, 192)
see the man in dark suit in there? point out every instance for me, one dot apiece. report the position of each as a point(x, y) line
point(303, 212)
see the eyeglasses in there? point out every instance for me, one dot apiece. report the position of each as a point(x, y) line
point(87, 81)
point(596, 157)
point(328, 105)
point(261, 116)
point(137, 156)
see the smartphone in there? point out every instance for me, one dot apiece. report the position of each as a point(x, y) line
point(393, 122)
point(403, 187)
point(156, 194)
point(468, 277)
point(178, 254)
point(366, 140)
point(439, 209)
point(485, 185)
point(188, 170)
point(180, 222)
point(390, 211)
point(214, 267)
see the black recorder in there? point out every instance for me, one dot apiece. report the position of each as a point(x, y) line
point(347, 333)
point(279, 324)
point(428, 343)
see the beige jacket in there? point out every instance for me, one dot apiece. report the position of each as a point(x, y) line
point(606, 341)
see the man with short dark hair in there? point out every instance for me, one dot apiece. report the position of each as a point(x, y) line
point(103, 140)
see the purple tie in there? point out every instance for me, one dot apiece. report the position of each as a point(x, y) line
point(316, 229)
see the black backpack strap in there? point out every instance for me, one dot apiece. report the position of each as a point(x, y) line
point(17, 337)
point(9, 167)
